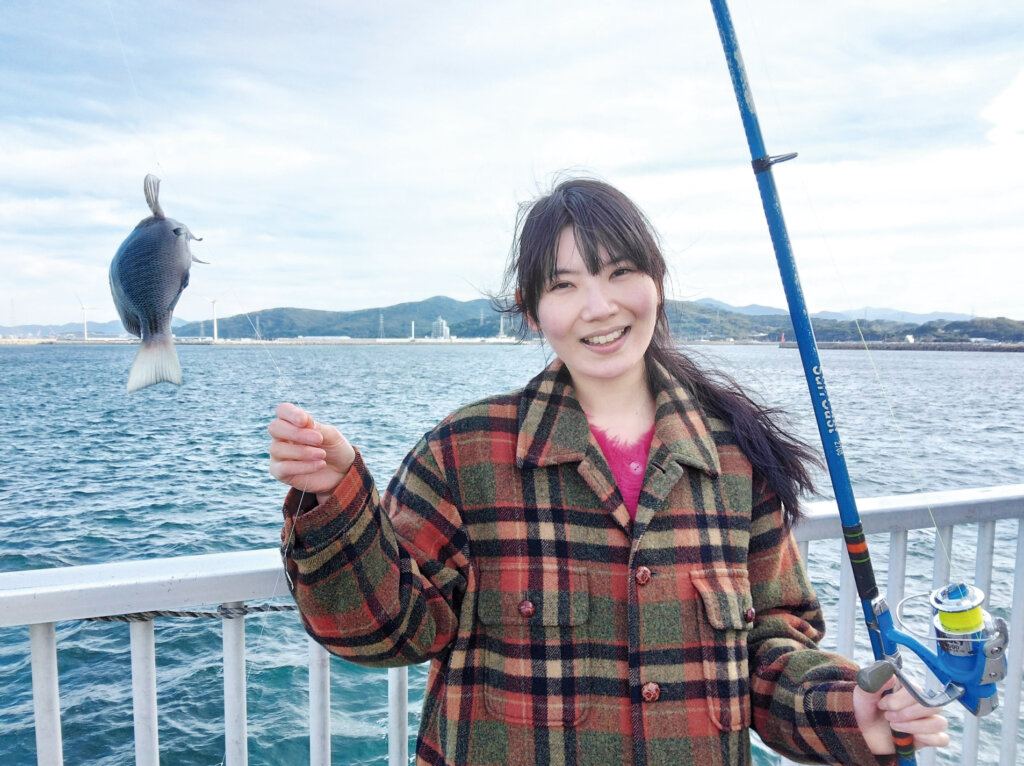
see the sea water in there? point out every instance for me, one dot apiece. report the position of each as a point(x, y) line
point(89, 474)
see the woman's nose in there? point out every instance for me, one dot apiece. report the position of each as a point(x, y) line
point(598, 304)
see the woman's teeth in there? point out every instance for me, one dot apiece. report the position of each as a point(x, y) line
point(601, 340)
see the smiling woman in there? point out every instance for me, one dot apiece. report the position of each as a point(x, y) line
point(582, 600)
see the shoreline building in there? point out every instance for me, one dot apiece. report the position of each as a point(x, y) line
point(439, 330)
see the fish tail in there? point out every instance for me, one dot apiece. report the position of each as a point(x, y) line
point(151, 187)
point(155, 361)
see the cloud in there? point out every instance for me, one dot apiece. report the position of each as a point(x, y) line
point(341, 156)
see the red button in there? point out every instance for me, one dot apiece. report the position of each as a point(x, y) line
point(750, 614)
point(526, 608)
point(650, 691)
point(642, 576)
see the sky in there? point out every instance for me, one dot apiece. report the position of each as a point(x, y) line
point(345, 155)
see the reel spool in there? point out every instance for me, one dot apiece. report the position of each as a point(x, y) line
point(971, 654)
point(959, 620)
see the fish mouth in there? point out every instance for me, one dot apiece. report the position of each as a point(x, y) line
point(605, 339)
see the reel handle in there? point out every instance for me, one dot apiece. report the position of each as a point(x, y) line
point(872, 677)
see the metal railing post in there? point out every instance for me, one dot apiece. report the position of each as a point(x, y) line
point(143, 649)
point(398, 716)
point(319, 705)
point(1014, 659)
point(45, 694)
point(235, 735)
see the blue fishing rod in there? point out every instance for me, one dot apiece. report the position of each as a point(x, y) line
point(971, 645)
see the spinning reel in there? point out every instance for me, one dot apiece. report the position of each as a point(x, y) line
point(970, 657)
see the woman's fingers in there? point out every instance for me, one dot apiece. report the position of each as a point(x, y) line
point(295, 415)
point(306, 454)
point(927, 725)
point(286, 430)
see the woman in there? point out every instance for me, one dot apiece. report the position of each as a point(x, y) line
point(599, 566)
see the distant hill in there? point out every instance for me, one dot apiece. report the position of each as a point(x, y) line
point(892, 315)
point(749, 310)
point(706, 320)
point(868, 312)
point(465, 319)
point(111, 329)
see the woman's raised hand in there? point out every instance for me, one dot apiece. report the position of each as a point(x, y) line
point(310, 456)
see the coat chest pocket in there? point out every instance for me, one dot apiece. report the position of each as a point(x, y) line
point(532, 620)
point(724, 624)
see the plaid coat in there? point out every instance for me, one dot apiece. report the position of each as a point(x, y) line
point(558, 630)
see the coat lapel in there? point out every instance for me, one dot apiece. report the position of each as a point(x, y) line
point(553, 429)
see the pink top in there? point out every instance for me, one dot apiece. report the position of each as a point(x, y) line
point(628, 463)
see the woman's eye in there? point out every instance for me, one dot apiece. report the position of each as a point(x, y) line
point(622, 271)
point(559, 286)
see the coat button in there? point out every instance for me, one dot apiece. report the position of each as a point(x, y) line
point(650, 691)
point(750, 614)
point(526, 608)
point(642, 576)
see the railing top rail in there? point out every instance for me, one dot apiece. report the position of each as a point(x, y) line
point(922, 510)
point(99, 590)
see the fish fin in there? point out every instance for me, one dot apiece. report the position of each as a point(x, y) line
point(182, 231)
point(151, 186)
point(196, 260)
point(155, 362)
point(130, 322)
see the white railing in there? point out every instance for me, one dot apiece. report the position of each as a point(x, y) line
point(40, 598)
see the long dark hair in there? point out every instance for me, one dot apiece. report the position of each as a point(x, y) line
point(602, 216)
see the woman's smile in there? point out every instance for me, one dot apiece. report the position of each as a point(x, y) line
point(607, 339)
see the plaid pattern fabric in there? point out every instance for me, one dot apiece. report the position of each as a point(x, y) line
point(558, 630)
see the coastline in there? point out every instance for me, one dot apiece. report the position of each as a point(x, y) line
point(877, 345)
point(332, 341)
point(227, 342)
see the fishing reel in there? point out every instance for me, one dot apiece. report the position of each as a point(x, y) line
point(970, 656)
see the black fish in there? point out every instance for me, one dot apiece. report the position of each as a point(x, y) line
point(147, 275)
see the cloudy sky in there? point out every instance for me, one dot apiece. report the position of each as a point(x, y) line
point(343, 155)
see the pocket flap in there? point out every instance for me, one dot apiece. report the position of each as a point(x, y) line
point(726, 596)
point(558, 595)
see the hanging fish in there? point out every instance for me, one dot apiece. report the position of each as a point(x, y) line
point(147, 276)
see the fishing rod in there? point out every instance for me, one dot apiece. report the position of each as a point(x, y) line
point(971, 644)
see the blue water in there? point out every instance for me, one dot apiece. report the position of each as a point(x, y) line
point(89, 474)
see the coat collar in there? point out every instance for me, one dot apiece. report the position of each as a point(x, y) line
point(553, 428)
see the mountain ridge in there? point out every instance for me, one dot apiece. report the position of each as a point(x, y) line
point(705, 319)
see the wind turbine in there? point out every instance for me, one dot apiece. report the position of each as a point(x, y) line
point(85, 317)
point(213, 303)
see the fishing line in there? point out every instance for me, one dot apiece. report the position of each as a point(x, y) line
point(908, 461)
point(135, 90)
point(823, 238)
point(283, 574)
point(280, 373)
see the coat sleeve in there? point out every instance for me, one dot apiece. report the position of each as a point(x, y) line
point(379, 582)
point(802, 697)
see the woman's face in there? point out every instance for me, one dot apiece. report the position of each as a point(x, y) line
point(599, 325)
